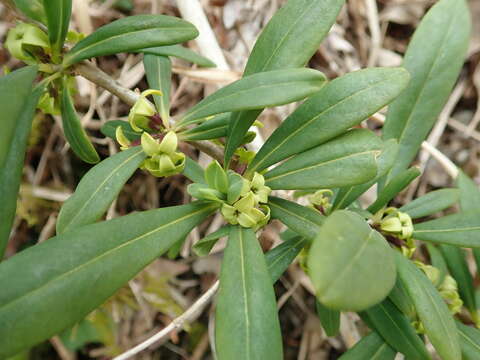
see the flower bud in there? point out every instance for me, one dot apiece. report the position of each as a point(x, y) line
point(139, 115)
point(259, 190)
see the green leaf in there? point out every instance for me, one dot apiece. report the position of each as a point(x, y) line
point(130, 34)
point(370, 347)
point(431, 203)
point(393, 188)
point(216, 177)
point(159, 76)
point(347, 160)
point(258, 91)
point(58, 14)
point(280, 257)
point(206, 244)
point(402, 301)
point(12, 104)
point(53, 285)
point(330, 319)
point(347, 195)
point(108, 129)
point(431, 309)
point(469, 341)
point(18, 121)
point(278, 47)
point(434, 59)
point(438, 261)
point(396, 329)
point(344, 260)
point(32, 8)
point(98, 188)
point(302, 220)
point(458, 229)
point(180, 52)
point(193, 171)
point(341, 104)
point(246, 324)
point(74, 132)
point(211, 129)
point(455, 258)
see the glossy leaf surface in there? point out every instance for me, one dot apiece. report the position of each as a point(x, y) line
point(74, 132)
point(180, 52)
point(58, 19)
point(301, 219)
point(72, 274)
point(326, 166)
point(130, 34)
point(211, 129)
point(431, 203)
point(19, 121)
point(397, 330)
point(431, 309)
point(280, 257)
point(344, 260)
point(371, 347)
point(278, 47)
point(339, 105)
point(98, 189)
point(434, 58)
point(258, 91)
point(246, 324)
point(159, 76)
point(458, 229)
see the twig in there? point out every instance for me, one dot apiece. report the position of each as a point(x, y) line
point(374, 26)
point(176, 324)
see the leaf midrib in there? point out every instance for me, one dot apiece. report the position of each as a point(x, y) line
point(97, 258)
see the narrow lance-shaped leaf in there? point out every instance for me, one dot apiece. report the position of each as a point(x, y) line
point(434, 59)
point(73, 130)
point(347, 195)
point(431, 203)
point(278, 47)
point(455, 258)
point(393, 188)
point(110, 127)
point(130, 34)
point(280, 257)
point(339, 105)
point(371, 347)
point(73, 273)
point(17, 116)
point(344, 260)
point(258, 91)
point(396, 329)
point(211, 129)
point(431, 309)
point(399, 297)
point(469, 201)
point(302, 220)
point(330, 319)
point(438, 261)
point(159, 76)
point(180, 52)
point(205, 245)
point(246, 324)
point(58, 14)
point(32, 8)
point(347, 160)
point(98, 188)
point(193, 171)
point(469, 341)
point(458, 229)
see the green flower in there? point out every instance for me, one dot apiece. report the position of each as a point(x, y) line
point(122, 139)
point(142, 110)
point(397, 223)
point(163, 159)
point(259, 190)
point(321, 200)
point(26, 42)
point(245, 213)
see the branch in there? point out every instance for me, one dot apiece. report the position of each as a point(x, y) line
point(97, 76)
point(176, 324)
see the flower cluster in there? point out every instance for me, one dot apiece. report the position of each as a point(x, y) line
point(398, 224)
point(241, 201)
point(163, 158)
point(27, 42)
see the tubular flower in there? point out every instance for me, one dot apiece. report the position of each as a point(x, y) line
point(397, 223)
point(142, 110)
point(163, 158)
point(26, 42)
